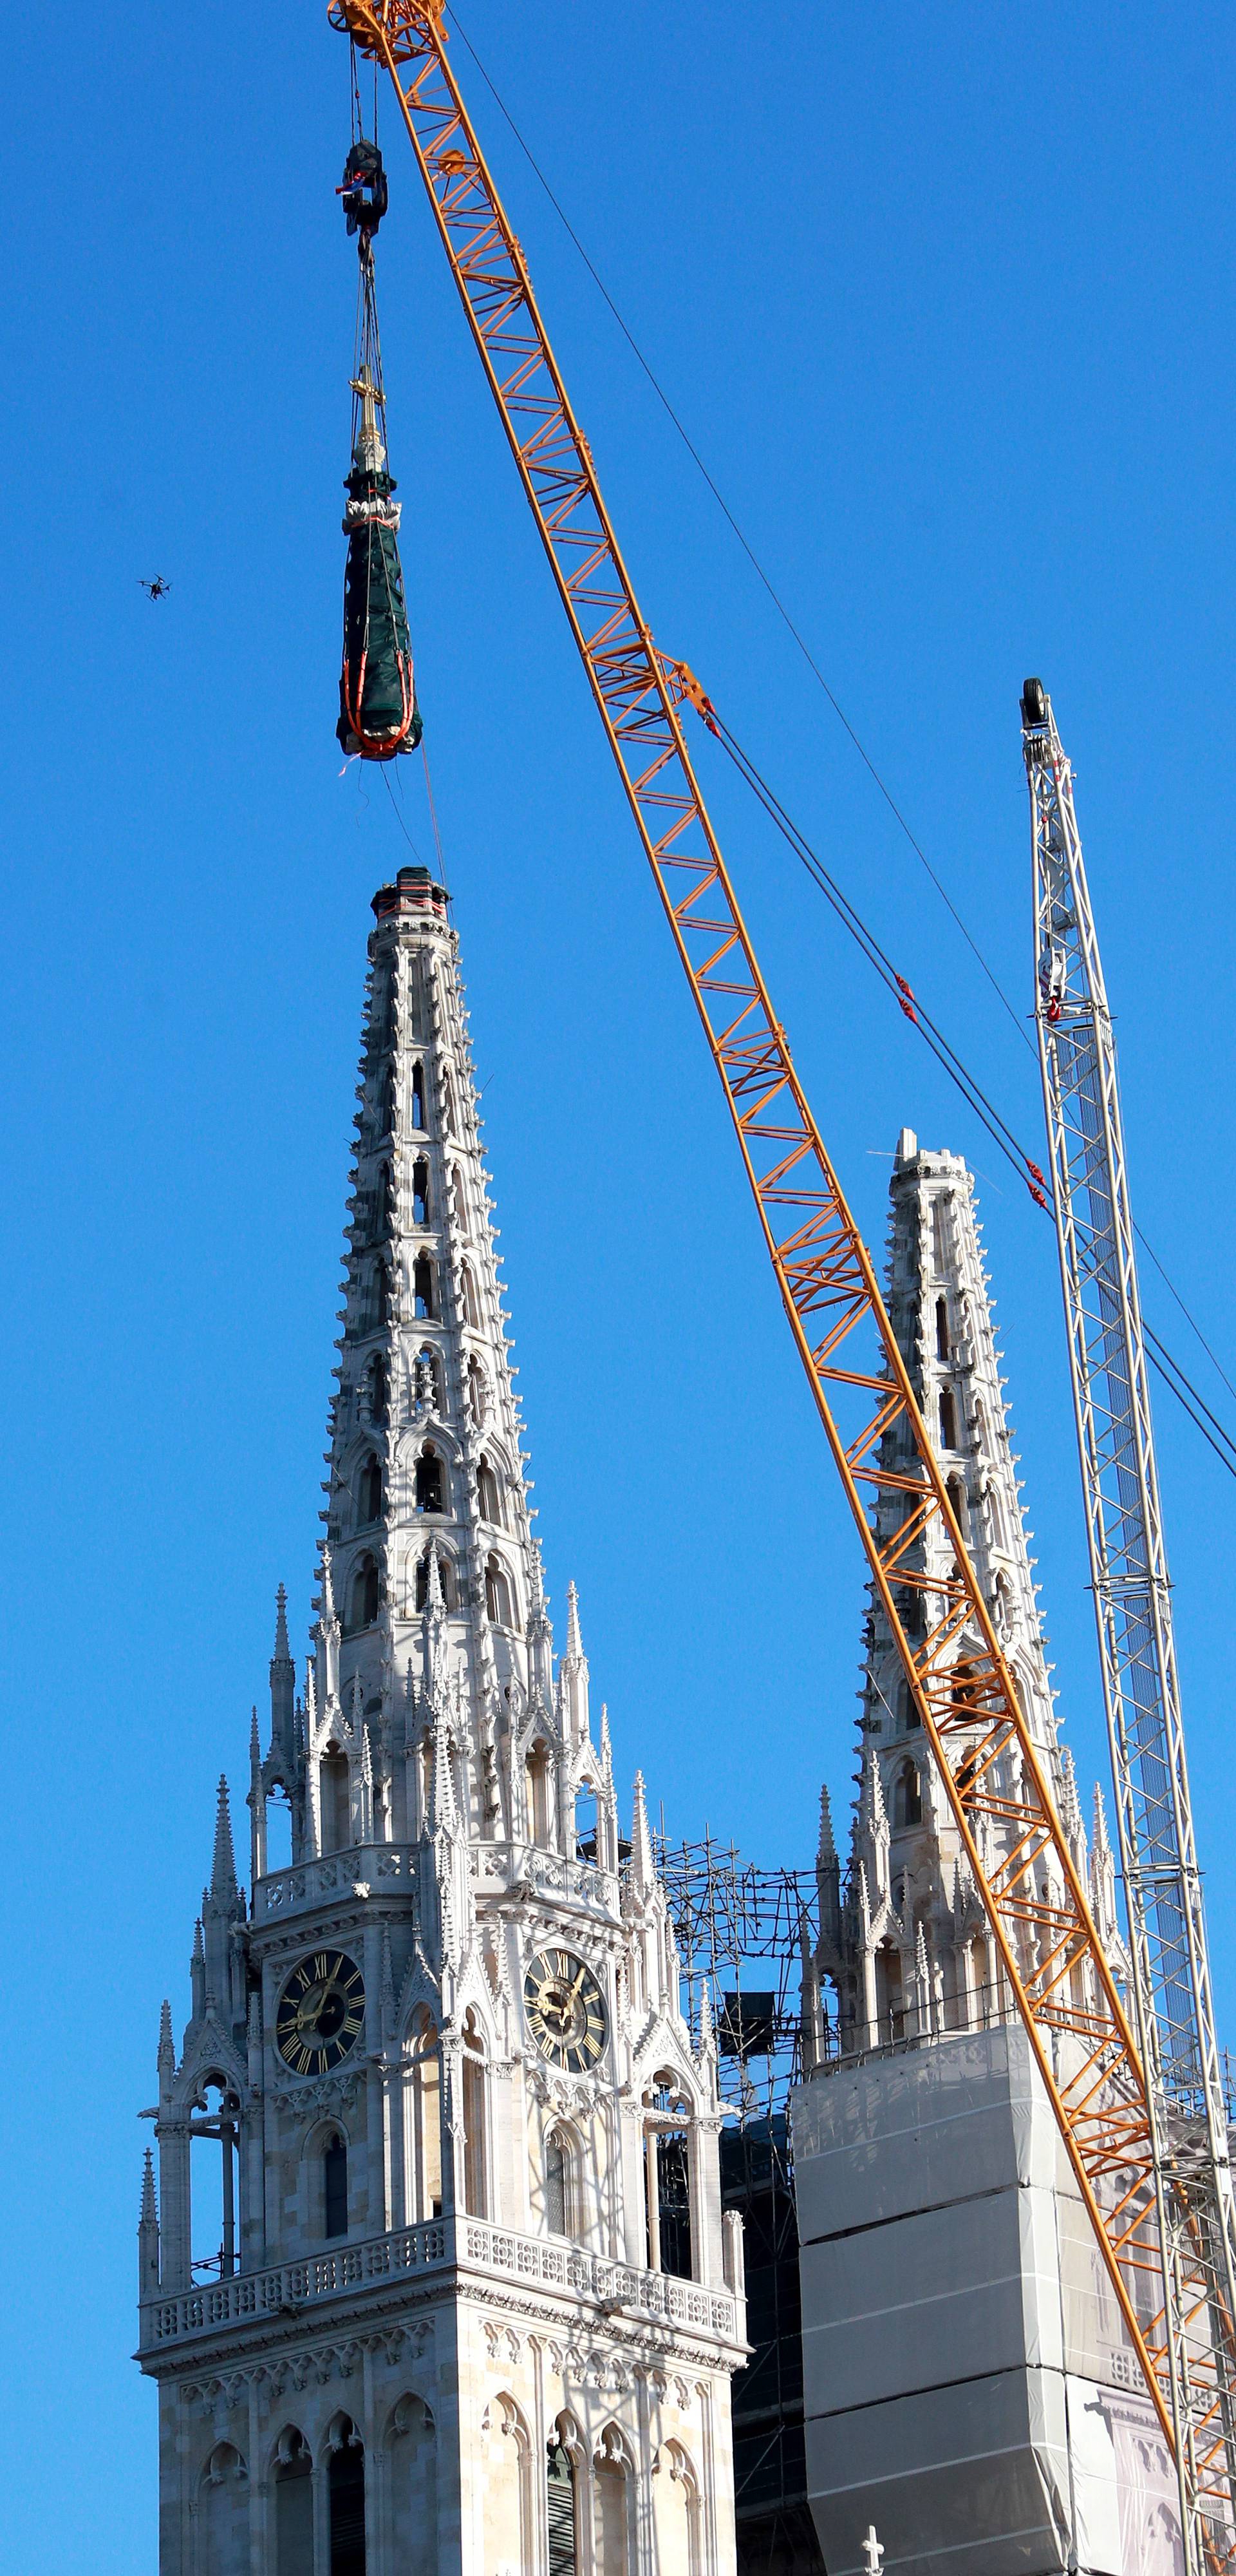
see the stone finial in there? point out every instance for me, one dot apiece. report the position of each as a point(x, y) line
point(167, 2045)
point(872, 2552)
point(643, 1875)
point(826, 1849)
point(148, 2212)
point(223, 1884)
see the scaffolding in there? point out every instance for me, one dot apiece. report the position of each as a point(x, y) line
point(742, 1932)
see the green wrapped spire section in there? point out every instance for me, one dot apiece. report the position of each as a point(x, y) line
point(378, 713)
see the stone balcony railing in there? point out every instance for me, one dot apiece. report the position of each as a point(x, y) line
point(287, 2290)
point(393, 1869)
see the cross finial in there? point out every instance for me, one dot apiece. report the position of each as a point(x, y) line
point(872, 2552)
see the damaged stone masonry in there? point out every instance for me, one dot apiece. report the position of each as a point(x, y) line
point(452, 2289)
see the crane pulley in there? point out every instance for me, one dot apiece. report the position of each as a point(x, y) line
point(957, 1675)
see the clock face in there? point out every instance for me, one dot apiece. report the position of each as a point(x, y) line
point(320, 2012)
point(566, 2010)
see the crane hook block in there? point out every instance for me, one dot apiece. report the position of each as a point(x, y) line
point(364, 190)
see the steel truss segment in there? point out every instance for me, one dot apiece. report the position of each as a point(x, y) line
point(1196, 2222)
point(988, 1727)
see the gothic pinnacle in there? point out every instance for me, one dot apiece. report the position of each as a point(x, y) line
point(642, 1872)
point(223, 1884)
point(148, 2214)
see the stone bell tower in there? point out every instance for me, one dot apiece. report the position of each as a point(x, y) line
point(452, 2290)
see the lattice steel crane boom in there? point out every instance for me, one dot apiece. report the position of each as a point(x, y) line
point(1132, 1595)
point(957, 1676)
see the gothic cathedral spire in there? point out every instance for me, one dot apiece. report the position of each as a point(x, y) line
point(471, 2282)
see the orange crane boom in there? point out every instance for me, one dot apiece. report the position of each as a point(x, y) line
point(989, 1766)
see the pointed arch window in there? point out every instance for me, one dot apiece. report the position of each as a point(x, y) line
point(448, 1096)
point(422, 1286)
point(386, 1109)
point(430, 1487)
point(335, 2186)
point(369, 1492)
point(667, 2177)
point(420, 1191)
point(941, 1328)
point(563, 2557)
point(385, 1201)
point(557, 2184)
point(539, 1781)
point(346, 2490)
point(377, 1388)
point(425, 2127)
point(365, 1595)
point(381, 1293)
point(907, 1796)
point(334, 1793)
point(473, 2089)
point(948, 1419)
point(957, 1497)
point(460, 1196)
point(418, 1097)
point(489, 1494)
point(610, 2489)
point(498, 1594)
point(472, 1312)
point(293, 2506)
point(446, 1578)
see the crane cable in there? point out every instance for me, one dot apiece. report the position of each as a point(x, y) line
point(1168, 1368)
point(972, 1091)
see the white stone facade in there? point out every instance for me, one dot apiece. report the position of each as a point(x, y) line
point(474, 2307)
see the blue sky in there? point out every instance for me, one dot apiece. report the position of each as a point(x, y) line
point(944, 297)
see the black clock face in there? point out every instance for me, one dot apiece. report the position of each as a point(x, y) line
point(320, 2013)
point(566, 2010)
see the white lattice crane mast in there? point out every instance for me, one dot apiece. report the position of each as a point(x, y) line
point(1107, 1357)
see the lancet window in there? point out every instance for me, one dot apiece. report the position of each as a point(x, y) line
point(334, 1793)
point(369, 1492)
point(422, 1286)
point(425, 2123)
point(907, 1796)
point(941, 1328)
point(473, 2088)
point(335, 2186)
point(667, 2177)
point(429, 1481)
point(293, 2506)
point(948, 1419)
point(420, 1191)
point(561, 2509)
point(346, 2490)
point(472, 1312)
point(446, 1578)
point(418, 1096)
point(365, 1595)
point(489, 1493)
point(498, 1594)
point(557, 2184)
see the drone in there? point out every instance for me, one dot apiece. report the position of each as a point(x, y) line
point(156, 589)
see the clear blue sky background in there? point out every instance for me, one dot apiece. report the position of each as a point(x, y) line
point(945, 298)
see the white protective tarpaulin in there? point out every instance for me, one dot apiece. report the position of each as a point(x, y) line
point(968, 2385)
